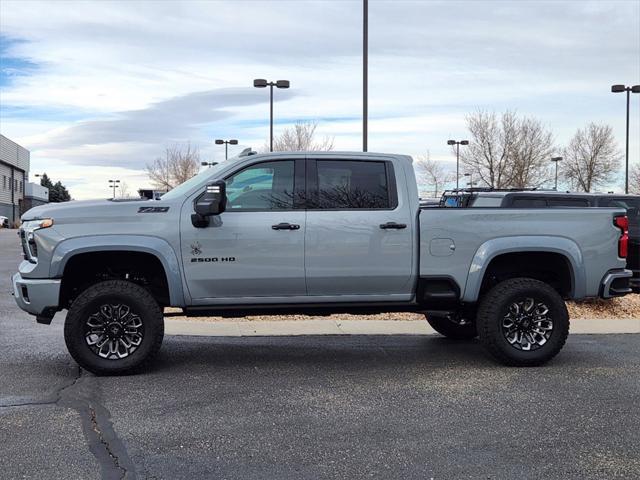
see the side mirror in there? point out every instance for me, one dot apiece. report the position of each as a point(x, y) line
point(212, 202)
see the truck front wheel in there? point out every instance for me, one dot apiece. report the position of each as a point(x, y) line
point(114, 327)
point(523, 322)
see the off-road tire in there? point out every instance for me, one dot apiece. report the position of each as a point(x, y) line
point(119, 292)
point(493, 308)
point(451, 329)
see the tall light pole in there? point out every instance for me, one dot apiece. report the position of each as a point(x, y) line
point(556, 160)
point(365, 73)
point(114, 184)
point(457, 144)
point(629, 90)
point(262, 83)
point(226, 145)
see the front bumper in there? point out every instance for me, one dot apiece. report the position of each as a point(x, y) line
point(38, 297)
point(616, 283)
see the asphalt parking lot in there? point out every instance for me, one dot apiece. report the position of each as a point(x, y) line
point(314, 407)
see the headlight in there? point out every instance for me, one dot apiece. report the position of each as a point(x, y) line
point(28, 228)
point(32, 225)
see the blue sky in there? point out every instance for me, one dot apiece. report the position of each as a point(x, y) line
point(98, 89)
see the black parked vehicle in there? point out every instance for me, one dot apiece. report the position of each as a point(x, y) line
point(517, 198)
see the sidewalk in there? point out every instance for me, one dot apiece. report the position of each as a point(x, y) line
point(243, 328)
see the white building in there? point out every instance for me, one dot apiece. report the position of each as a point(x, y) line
point(17, 194)
point(34, 195)
point(14, 171)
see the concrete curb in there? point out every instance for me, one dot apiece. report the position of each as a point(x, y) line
point(242, 328)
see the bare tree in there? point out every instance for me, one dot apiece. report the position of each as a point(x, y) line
point(507, 151)
point(634, 179)
point(124, 190)
point(301, 137)
point(529, 155)
point(179, 164)
point(433, 173)
point(592, 157)
point(486, 157)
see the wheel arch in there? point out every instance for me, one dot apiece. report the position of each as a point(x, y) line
point(66, 250)
point(528, 251)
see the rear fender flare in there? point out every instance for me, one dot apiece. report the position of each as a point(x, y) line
point(498, 246)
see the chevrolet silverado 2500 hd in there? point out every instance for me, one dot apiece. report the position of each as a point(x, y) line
point(313, 232)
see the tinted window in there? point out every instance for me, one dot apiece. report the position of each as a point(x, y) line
point(568, 202)
point(454, 201)
point(350, 185)
point(481, 201)
point(265, 186)
point(620, 202)
point(529, 203)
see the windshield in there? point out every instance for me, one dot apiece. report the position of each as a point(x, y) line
point(184, 188)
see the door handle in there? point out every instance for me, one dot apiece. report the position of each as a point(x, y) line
point(393, 225)
point(285, 226)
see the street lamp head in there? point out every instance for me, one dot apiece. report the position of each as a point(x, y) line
point(635, 89)
point(556, 159)
point(464, 142)
point(219, 142)
point(451, 142)
point(466, 174)
point(204, 164)
point(260, 83)
point(282, 84)
point(617, 88)
point(233, 142)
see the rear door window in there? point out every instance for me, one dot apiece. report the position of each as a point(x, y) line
point(343, 184)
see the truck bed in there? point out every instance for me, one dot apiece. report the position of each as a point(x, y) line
point(460, 243)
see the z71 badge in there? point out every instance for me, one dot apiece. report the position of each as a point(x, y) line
point(153, 209)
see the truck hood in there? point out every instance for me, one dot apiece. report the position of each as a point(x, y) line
point(86, 209)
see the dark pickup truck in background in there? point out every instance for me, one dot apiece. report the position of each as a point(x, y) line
point(492, 198)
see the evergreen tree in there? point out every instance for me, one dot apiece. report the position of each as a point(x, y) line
point(61, 191)
point(45, 181)
point(57, 192)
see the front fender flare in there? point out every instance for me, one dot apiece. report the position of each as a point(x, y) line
point(156, 246)
point(498, 246)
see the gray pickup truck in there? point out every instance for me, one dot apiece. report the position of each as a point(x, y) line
point(313, 233)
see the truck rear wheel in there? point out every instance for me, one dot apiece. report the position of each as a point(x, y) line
point(114, 327)
point(523, 322)
point(451, 328)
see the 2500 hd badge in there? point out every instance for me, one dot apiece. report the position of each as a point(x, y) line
point(213, 259)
